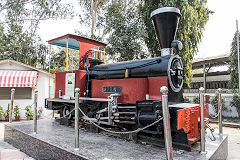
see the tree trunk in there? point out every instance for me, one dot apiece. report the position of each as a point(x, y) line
point(93, 13)
point(93, 24)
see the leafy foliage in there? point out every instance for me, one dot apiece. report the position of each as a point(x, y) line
point(33, 11)
point(233, 69)
point(1, 111)
point(21, 46)
point(195, 15)
point(58, 58)
point(196, 100)
point(214, 102)
point(7, 112)
point(29, 111)
point(19, 21)
point(125, 41)
point(236, 102)
point(16, 111)
point(130, 31)
point(93, 16)
point(120, 22)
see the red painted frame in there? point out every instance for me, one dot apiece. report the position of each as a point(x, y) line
point(80, 81)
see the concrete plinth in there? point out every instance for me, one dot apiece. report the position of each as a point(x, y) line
point(55, 141)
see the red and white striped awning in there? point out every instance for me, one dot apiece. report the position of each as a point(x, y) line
point(18, 78)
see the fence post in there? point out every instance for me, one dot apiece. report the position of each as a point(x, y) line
point(166, 123)
point(219, 110)
point(35, 111)
point(11, 105)
point(201, 93)
point(76, 119)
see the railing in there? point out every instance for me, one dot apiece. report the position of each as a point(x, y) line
point(76, 119)
point(113, 98)
point(202, 147)
point(11, 105)
point(113, 101)
point(35, 112)
point(166, 123)
point(219, 115)
point(35, 109)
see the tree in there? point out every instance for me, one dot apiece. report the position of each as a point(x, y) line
point(129, 29)
point(95, 8)
point(19, 21)
point(195, 15)
point(118, 22)
point(21, 46)
point(125, 41)
point(233, 68)
point(236, 103)
point(31, 12)
point(58, 58)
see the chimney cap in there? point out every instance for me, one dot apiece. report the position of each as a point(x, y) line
point(165, 10)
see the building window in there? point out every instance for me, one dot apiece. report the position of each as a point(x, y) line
point(20, 93)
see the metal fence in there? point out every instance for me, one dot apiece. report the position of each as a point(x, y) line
point(112, 100)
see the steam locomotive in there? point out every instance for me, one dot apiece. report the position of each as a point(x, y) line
point(126, 95)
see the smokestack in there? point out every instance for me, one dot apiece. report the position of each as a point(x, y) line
point(165, 21)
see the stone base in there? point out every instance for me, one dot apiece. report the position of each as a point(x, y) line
point(217, 149)
point(54, 141)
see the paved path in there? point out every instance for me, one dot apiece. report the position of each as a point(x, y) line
point(7, 151)
point(233, 141)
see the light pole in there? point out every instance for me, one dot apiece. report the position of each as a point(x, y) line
point(238, 58)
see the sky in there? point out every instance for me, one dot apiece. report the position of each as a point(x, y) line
point(220, 28)
point(51, 29)
point(217, 36)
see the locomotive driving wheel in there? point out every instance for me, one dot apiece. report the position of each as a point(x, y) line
point(66, 112)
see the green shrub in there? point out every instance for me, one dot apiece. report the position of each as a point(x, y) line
point(29, 111)
point(7, 112)
point(1, 111)
point(196, 100)
point(236, 102)
point(214, 102)
point(16, 111)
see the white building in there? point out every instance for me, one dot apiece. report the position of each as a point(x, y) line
point(25, 79)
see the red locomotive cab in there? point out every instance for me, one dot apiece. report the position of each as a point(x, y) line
point(67, 81)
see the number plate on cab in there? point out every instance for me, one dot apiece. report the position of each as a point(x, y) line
point(112, 89)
